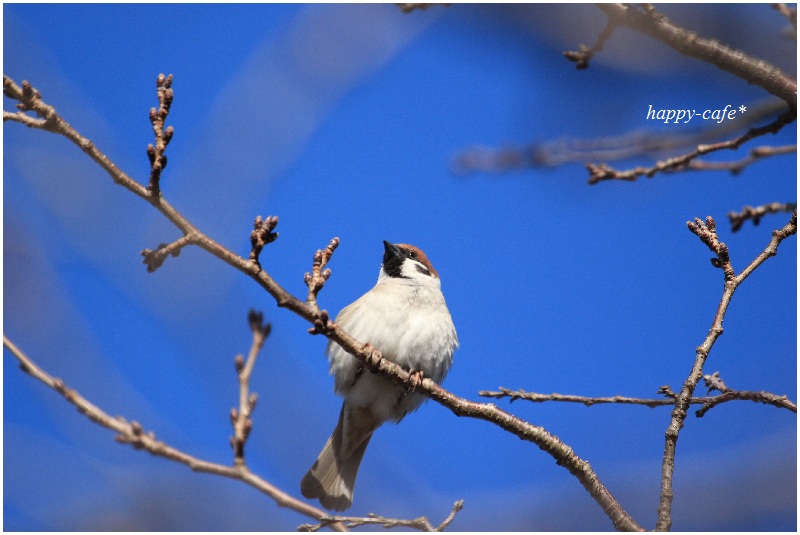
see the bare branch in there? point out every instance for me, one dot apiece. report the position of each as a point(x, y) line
point(568, 398)
point(713, 382)
point(27, 120)
point(154, 259)
point(316, 279)
point(736, 167)
point(420, 524)
point(707, 402)
point(601, 172)
point(789, 12)
point(707, 233)
point(748, 212)
point(612, 148)
point(262, 235)
point(158, 161)
point(753, 70)
point(134, 434)
point(408, 8)
point(242, 424)
point(584, 53)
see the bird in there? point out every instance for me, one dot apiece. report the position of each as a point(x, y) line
point(405, 317)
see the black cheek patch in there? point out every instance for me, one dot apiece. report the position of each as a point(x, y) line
point(422, 269)
point(393, 265)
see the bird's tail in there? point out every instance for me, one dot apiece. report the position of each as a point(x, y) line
point(333, 475)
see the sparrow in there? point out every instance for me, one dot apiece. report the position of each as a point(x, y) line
point(405, 317)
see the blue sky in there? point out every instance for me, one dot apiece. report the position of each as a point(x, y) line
point(343, 120)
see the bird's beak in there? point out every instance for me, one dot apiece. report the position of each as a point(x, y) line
point(390, 251)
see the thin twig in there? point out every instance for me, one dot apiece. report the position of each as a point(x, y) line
point(158, 161)
point(420, 524)
point(240, 419)
point(707, 402)
point(738, 166)
point(602, 172)
point(748, 212)
point(131, 432)
point(408, 8)
point(316, 279)
point(789, 12)
point(584, 53)
point(154, 259)
point(27, 120)
point(707, 233)
point(262, 235)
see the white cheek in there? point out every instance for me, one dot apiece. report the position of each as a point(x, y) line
point(412, 271)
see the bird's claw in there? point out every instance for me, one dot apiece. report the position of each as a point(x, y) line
point(416, 379)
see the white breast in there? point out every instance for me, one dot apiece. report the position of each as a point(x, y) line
point(410, 325)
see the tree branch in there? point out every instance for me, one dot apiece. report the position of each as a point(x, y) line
point(789, 12)
point(584, 53)
point(240, 419)
point(738, 166)
point(316, 279)
point(748, 212)
point(134, 434)
point(753, 70)
point(713, 382)
point(158, 161)
point(669, 399)
point(601, 172)
point(707, 233)
point(420, 524)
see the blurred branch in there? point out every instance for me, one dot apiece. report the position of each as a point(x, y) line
point(584, 53)
point(647, 20)
point(708, 235)
point(408, 8)
point(789, 12)
point(736, 167)
point(420, 524)
point(601, 172)
point(611, 148)
point(562, 453)
point(748, 212)
point(154, 259)
point(669, 400)
point(132, 433)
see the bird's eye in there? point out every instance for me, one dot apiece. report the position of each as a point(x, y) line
point(412, 255)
